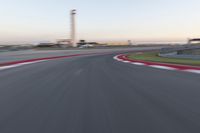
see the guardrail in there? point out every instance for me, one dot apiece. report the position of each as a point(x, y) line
point(178, 49)
point(183, 52)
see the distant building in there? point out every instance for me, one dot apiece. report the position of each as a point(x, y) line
point(81, 43)
point(196, 40)
point(130, 42)
point(66, 42)
point(46, 45)
point(84, 43)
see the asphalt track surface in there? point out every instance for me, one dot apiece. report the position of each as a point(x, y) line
point(97, 94)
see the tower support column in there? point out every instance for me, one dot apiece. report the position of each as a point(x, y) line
point(73, 28)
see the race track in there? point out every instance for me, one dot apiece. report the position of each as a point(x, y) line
point(97, 94)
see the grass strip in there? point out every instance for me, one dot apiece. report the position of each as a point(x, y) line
point(153, 57)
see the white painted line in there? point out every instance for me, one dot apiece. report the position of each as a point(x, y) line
point(192, 71)
point(162, 67)
point(138, 63)
point(20, 64)
point(126, 61)
point(116, 58)
point(120, 60)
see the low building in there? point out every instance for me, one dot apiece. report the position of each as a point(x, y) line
point(194, 40)
point(66, 42)
point(90, 44)
point(46, 45)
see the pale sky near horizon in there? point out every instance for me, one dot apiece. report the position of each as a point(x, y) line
point(139, 20)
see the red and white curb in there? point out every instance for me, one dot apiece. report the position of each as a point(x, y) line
point(19, 64)
point(13, 64)
point(166, 66)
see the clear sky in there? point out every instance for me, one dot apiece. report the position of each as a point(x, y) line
point(140, 20)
